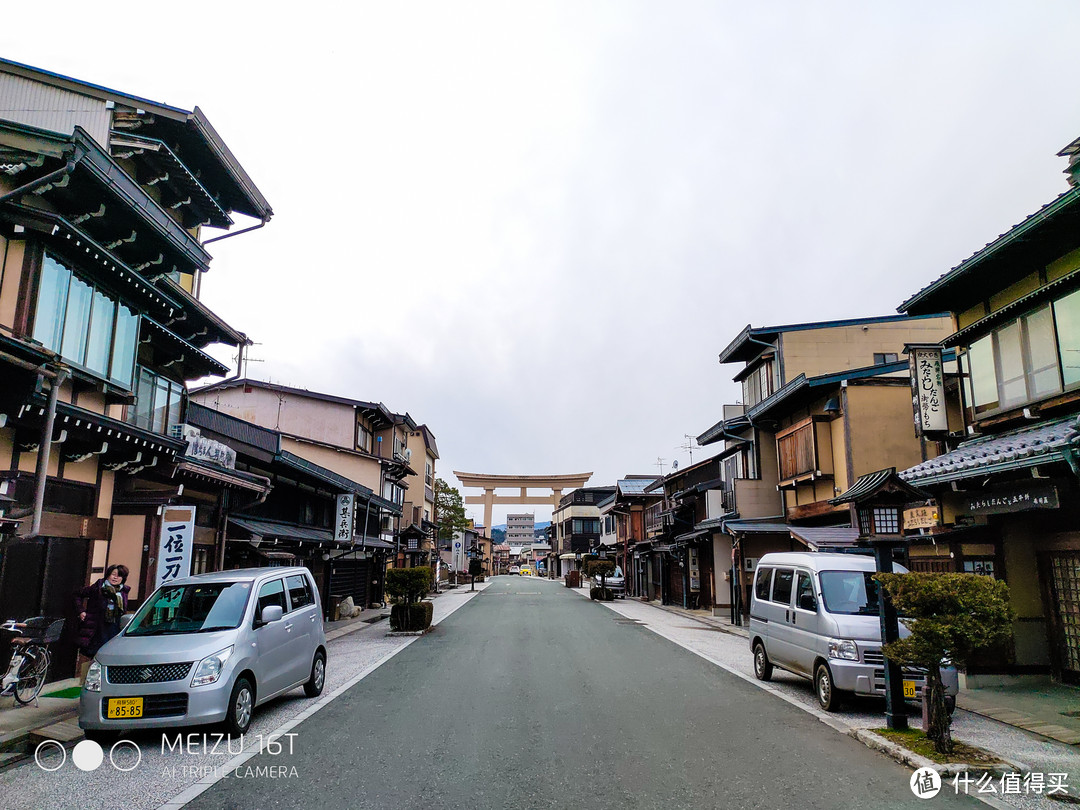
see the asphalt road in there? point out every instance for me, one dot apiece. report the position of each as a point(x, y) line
point(532, 697)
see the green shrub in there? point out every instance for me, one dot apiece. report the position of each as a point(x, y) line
point(408, 584)
point(411, 617)
point(951, 617)
point(599, 568)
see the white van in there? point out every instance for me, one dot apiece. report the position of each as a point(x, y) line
point(816, 615)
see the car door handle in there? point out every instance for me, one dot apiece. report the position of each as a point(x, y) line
point(288, 628)
point(313, 618)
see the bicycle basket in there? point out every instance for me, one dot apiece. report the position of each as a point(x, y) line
point(43, 629)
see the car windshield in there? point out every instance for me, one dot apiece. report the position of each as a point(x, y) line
point(192, 608)
point(850, 592)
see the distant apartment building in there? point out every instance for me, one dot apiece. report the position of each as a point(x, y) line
point(520, 528)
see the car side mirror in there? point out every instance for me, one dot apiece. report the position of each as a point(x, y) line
point(270, 613)
point(807, 602)
point(125, 620)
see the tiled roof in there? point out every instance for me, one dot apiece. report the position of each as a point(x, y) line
point(1025, 447)
point(634, 486)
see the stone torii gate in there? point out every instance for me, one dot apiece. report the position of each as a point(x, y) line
point(489, 483)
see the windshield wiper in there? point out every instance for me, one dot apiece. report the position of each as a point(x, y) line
point(215, 627)
point(157, 631)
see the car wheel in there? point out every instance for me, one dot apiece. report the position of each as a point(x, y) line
point(827, 696)
point(241, 705)
point(314, 686)
point(762, 667)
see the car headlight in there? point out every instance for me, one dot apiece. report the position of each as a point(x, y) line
point(844, 649)
point(93, 678)
point(210, 668)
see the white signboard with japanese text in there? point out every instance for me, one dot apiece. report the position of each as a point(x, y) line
point(346, 514)
point(928, 390)
point(174, 544)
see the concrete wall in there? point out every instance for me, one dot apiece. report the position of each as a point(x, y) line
point(882, 431)
point(362, 469)
point(823, 351)
point(321, 421)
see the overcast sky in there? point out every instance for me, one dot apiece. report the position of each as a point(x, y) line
point(533, 226)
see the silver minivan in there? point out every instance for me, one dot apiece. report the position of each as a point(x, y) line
point(816, 615)
point(206, 649)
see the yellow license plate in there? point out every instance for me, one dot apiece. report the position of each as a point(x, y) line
point(124, 708)
point(909, 689)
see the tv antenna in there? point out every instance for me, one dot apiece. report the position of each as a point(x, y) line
point(689, 446)
point(243, 359)
point(660, 465)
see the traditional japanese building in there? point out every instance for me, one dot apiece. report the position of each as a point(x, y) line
point(1007, 487)
point(104, 198)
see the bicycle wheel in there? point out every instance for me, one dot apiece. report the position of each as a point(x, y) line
point(32, 673)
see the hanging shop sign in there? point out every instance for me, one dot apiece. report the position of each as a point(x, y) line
point(346, 514)
point(928, 389)
point(1017, 498)
point(921, 517)
point(174, 544)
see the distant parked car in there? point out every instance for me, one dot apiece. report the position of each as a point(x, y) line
point(526, 571)
point(515, 569)
point(614, 582)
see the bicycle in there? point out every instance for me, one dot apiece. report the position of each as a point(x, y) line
point(30, 656)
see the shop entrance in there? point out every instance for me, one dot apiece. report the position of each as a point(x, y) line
point(1064, 569)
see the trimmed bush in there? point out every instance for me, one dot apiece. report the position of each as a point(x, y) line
point(408, 584)
point(411, 617)
point(599, 568)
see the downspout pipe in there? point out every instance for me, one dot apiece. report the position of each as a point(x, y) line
point(41, 181)
point(261, 224)
point(45, 450)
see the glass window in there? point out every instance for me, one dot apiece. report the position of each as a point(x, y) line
point(804, 592)
point(191, 609)
point(883, 358)
point(764, 581)
point(299, 591)
point(123, 350)
point(161, 405)
point(849, 592)
point(271, 593)
point(781, 588)
point(51, 303)
point(84, 324)
point(101, 331)
point(1043, 375)
point(77, 321)
point(1016, 363)
point(1067, 315)
point(984, 392)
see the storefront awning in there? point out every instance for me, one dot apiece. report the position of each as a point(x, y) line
point(232, 478)
point(282, 531)
point(818, 537)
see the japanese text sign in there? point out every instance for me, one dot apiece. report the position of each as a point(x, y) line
point(343, 522)
point(174, 544)
point(928, 390)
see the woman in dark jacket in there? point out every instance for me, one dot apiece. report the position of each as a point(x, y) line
point(99, 608)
